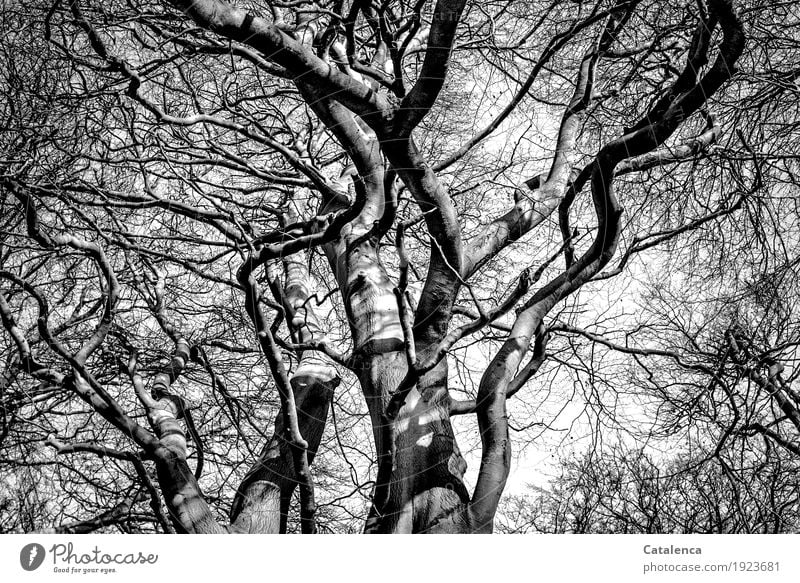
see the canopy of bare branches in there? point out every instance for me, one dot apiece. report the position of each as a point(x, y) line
point(378, 266)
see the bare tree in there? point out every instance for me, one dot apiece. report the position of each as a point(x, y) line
point(225, 224)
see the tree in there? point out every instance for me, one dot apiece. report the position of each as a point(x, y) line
point(219, 219)
point(623, 491)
